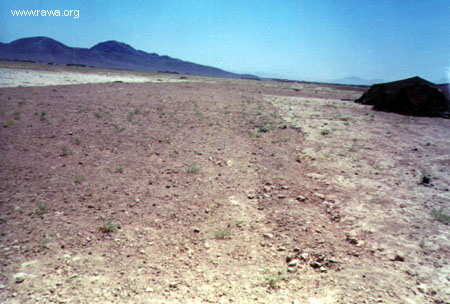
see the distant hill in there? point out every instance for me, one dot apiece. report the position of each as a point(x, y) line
point(109, 54)
point(356, 81)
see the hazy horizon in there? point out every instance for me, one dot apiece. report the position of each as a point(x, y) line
point(302, 40)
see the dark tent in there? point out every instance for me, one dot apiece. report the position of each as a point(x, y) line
point(413, 96)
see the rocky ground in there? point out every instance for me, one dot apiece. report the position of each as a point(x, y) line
point(219, 191)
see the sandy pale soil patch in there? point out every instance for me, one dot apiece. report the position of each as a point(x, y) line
point(371, 165)
point(218, 192)
point(14, 77)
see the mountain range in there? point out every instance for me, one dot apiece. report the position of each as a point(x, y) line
point(109, 54)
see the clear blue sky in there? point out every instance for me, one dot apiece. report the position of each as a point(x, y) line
point(303, 39)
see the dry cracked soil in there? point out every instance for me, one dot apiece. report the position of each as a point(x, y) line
point(202, 190)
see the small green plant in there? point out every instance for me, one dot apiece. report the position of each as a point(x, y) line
point(345, 118)
point(254, 134)
point(440, 215)
point(130, 116)
point(222, 234)
point(41, 208)
point(65, 151)
point(273, 278)
point(10, 122)
point(118, 170)
point(263, 129)
point(108, 227)
point(165, 139)
point(76, 141)
point(78, 179)
point(137, 111)
point(44, 117)
point(353, 149)
point(118, 128)
point(325, 132)
point(97, 114)
point(192, 168)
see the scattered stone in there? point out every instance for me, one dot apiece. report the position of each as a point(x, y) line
point(281, 196)
point(304, 256)
point(296, 249)
point(315, 264)
point(20, 277)
point(422, 288)
point(173, 284)
point(29, 263)
point(399, 257)
point(251, 196)
point(284, 187)
point(321, 196)
point(322, 269)
point(196, 230)
point(268, 235)
point(233, 201)
point(295, 302)
point(352, 240)
point(149, 289)
point(293, 263)
point(300, 198)
point(291, 269)
point(281, 248)
point(267, 188)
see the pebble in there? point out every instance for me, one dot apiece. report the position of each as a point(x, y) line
point(315, 264)
point(268, 235)
point(20, 277)
point(321, 196)
point(304, 256)
point(196, 230)
point(149, 289)
point(301, 198)
point(251, 196)
point(173, 284)
point(293, 263)
point(29, 263)
point(322, 269)
point(352, 240)
point(399, 257)
point(291, 269)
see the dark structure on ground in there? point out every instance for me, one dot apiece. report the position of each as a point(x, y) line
point(413, 96)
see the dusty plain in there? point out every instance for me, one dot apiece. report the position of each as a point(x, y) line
point(183, 189)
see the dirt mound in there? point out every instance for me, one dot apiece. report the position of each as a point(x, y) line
point(413, 96)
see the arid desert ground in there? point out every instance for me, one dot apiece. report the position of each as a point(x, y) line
point(158, 188)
